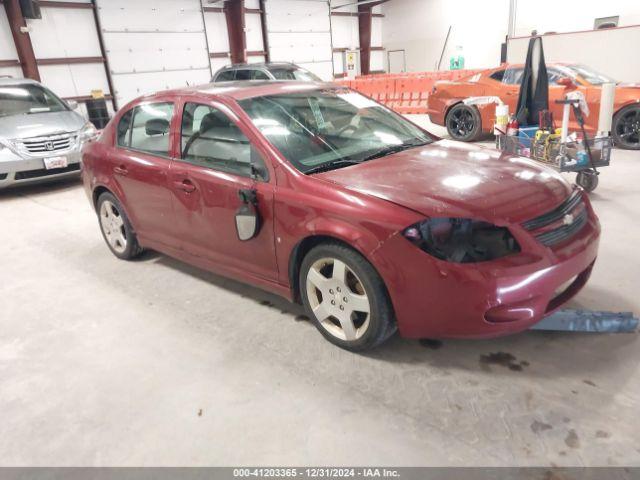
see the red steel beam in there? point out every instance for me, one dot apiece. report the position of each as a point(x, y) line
point(76, 5)
point(22, 40)
point(69, 60)
point(9, 63)
point(234, 13)
point(265, 35)
point(364, 29)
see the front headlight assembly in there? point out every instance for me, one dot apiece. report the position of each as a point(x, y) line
point(462, 240)
point(87, 133)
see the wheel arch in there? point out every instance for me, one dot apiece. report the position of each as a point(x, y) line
point(99, 190)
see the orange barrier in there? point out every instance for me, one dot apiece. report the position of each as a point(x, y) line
point(403, 92)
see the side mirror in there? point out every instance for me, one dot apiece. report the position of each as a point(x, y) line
point(247, 216)
point(73, 105)
point(566, 82)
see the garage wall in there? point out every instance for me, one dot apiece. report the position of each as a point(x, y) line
point(217, 36)
point(420, 26)
point(604, 50)
point(299, 31)
point(153, 45)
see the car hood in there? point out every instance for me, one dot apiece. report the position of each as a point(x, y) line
point(448, 178)
point(39, 124)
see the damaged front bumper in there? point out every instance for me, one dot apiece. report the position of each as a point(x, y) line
point(438, 299)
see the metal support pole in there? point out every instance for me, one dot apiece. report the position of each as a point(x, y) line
point(22, 40)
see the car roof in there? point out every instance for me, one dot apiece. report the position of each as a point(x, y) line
point(266, 65)
point(17, 81)
point(240, 90)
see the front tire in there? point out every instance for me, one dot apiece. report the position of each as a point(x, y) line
point(116, 228)
point(345, 297)
point(464, 123)
point(625, 128)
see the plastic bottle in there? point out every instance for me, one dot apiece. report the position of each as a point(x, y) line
point(512, 127)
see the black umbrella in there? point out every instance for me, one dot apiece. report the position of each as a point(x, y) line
point(534, 89)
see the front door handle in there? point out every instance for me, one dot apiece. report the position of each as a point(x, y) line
point(185, 185)
point(120, 170)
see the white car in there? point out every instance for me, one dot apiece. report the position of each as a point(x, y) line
point(40, 134)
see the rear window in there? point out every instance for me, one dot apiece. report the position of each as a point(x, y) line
point(226, 76)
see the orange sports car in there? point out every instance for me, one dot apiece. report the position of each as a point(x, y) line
point(468, 123)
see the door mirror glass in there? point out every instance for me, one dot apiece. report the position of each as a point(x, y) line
point(247, 216)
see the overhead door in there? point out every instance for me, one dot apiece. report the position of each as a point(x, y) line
point(153, 45)
point(299, 31)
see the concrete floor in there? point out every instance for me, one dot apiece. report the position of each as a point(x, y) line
point(152, 362)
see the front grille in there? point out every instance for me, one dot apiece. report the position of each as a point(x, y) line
point(45, 145)
point(43, 172)
point(571, 215)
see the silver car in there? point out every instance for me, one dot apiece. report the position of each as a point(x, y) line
point(264, 71)
point(40, 135)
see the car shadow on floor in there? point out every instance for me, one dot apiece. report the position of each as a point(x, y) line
point(38, 189)
point(530, 353)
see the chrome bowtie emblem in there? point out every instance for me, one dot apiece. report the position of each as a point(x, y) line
point(567, 219)
point(48, 145)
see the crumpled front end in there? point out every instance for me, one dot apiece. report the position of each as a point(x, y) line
point(435, 298)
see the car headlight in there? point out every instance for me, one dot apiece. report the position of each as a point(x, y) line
point(87, 133)
point(462, 240)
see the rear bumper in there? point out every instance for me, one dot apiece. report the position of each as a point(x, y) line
point(437, 299)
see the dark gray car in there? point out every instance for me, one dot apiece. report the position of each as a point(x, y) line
point(264, 71)
point(40, 134)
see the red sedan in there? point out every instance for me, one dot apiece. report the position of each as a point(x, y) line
point(325, 197)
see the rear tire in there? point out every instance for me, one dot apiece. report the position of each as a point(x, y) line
point(464, 123)
point(116, 228)
point(625, 128)
point(345, 297)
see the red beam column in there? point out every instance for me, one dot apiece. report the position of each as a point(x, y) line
point(21, 40)
point(364, 29)
point(234, 13)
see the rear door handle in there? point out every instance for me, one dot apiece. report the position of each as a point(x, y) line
point(121, 170)
point(185, 185)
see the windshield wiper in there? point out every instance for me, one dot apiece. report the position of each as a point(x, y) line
point(383, 152)
point(331, 165)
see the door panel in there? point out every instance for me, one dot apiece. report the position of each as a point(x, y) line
point(205, 217)
point(144, 180)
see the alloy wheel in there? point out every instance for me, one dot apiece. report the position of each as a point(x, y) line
point(461, 122)
point(338, 299)
point(628, 128)
point(112, 225)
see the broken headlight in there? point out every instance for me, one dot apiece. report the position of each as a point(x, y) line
point(462, 240)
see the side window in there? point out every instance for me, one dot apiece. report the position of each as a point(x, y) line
point(226, 76)
point(150, 128)
point(243, 74)
point(124, 129)
point(499, 75)
point(259, 75)
point(553, 76)
point(210, 139)
point(512, 76)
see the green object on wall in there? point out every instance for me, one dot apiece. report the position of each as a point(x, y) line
point(456, 62)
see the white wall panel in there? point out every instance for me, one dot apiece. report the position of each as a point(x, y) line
point(299, 31)
point(217, 35)
point(252, 4)
point(344, 32)
point(74, 80)
point(255, 59)
point(154, 45)
point(15, 72)
point(377, 61)
point(253, 29)
point(376, 32)
point(338, 64)
point(59, 31)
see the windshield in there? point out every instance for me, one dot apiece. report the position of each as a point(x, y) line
point(587, 73)
point(324, 129)
point(29, 98)
point(294, 74)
